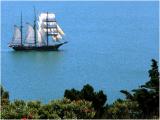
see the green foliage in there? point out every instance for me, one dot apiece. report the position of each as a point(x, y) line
point(72, 94)
point(56, 109)
point(153, 83)
point(98, 99)
point(87, 93)
point(147, 96)
point(127, 94)
point(122, 109)
point(4, 96)
point(72, 109)
point(14, 110)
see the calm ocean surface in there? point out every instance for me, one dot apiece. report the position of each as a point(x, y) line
point(110, 47)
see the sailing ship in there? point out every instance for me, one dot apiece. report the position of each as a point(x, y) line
point(39, 35)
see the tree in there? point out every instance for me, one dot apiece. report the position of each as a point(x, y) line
point(153, 83)
point(56, 109)
point(122, 109)
point(4, 96)
point(147, 96)
point(87, 93)
point(72, 94)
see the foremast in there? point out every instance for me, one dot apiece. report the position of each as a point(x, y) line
point(47, 27)
point(35, 28)
point(21, 28)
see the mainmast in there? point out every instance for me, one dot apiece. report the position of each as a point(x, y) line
point(21, 29)
point(35, 29)
point(47, 27)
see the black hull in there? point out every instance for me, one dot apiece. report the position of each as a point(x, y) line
point(37, 48)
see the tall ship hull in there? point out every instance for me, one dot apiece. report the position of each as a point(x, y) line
point(37, 48)
point(46, 37)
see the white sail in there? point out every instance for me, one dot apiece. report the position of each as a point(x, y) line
point(49, 24)
point(49, 27)
point(44, 35)
point(17, 35)
point(51, 31)
point(45, 30)
point(57, 37)
point(60, 30)
point(39, 24)
point(39, 38)
point(43, 17)
point(30, 35)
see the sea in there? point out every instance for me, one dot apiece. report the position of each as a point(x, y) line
point(110, 46)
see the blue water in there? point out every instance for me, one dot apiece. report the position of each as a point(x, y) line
point(110, 47)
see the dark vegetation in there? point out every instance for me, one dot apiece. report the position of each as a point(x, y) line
point(140, 103)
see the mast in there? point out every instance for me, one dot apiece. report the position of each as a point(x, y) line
point(21, 29)
point(35, 31)
point(47, 28)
